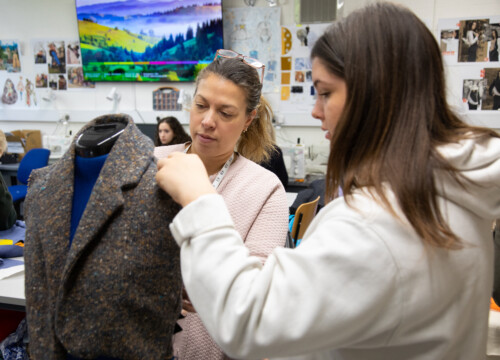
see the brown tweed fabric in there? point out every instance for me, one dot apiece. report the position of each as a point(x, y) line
point(116, 291)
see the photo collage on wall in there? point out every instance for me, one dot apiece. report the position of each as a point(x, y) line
point(58, 65)
point(15, 91)
point(471, 49)
point(297, 90)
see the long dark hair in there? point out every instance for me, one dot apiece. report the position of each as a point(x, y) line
point(469, 25)
point(395, 115)
point(180, 136)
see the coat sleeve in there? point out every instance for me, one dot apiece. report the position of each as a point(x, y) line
point(40, 319)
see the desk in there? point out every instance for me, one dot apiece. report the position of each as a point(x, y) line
point(12, 292)
point(9, 173)
point(297, 186)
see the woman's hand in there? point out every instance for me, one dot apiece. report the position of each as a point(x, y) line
point(184, 177)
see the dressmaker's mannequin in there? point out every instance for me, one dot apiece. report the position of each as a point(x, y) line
point(115, 293)
point(91, 150)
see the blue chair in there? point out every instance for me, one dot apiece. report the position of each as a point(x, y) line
point(34, 159)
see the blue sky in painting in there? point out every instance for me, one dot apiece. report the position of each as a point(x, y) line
point(133, 15)
point(134, 7)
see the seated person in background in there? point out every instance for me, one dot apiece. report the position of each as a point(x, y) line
point(275, 163)
point(8, 214)
point(169, 131)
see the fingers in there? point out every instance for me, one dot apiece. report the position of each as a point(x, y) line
point(183, 177)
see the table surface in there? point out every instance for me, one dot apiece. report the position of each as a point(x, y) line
point(9, 167)
point(12, 290)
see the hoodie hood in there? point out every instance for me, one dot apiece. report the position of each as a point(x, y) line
point(477, 160)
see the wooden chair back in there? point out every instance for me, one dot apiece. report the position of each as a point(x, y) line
point(303, 217)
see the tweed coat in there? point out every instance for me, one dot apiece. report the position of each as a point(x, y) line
point(116, 291)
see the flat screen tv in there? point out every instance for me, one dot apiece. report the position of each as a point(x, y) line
point(148, 40)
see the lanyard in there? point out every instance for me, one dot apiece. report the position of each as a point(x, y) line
point(222, 172)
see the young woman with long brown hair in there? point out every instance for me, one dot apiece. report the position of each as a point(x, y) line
point(401, 266)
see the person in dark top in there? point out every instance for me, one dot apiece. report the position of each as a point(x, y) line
point(276, 164)
point(8, 213)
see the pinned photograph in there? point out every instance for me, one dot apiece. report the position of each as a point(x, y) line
point(41, 80)
point(75, 77)
point(9, 56)
point(302, 34)
point(57, 57)
point(494, 42)
point(302, 63)
point(62, 83)
point(40, 53)
point(73, 53)
point(492, 98)
point(53, 81)
point(449, 42)
point(473, 92)
point(300, 76)
point(473, 46)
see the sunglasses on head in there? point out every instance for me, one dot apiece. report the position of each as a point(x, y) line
point(256, 64)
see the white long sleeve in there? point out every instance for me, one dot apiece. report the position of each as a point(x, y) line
point(471, 39)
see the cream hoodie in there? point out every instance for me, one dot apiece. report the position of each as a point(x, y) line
point(360, 286)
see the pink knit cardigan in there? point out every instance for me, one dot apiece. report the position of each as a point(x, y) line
point(258, 206)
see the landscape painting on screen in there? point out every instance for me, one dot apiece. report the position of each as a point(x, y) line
point(148, 40)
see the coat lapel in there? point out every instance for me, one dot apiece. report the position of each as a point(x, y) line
point(129, 158)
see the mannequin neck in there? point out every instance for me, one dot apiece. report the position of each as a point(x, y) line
point(97, 140)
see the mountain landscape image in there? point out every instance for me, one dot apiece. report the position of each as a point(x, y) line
point(148, 40)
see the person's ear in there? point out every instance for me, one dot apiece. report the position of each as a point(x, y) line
point(250, 118)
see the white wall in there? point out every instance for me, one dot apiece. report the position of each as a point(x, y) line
point(30, 19)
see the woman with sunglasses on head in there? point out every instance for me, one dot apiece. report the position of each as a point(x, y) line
point(169, 131)
point(229, 113)
point(401, 266)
